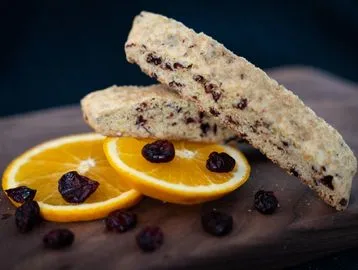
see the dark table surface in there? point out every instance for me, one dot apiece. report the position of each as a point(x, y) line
point(303, 229)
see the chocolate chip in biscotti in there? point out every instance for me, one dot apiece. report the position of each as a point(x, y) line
point(285, 143)
point(214, 112)
point(189, 120)
point(140, 121)
point(141, 107)
point(129, 45)
point(327, 181)
point(167, 66)
point(216, 96)
point(178, 65)
point(215, 129)
point(205, 127)
point(343, 202)
point(213, 90)
point(230, 120)
point(175, 85)
point(294, 172)
point(242, 104)
point(153, 59)
point(199, 78)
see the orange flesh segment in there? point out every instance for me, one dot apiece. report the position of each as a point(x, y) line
point(187, 168)
point(43, 171)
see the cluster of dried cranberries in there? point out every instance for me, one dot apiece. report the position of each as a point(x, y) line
point(162, 151)
point(73, 187)
point(27, 215)
point(76, 188)
point(148, 239)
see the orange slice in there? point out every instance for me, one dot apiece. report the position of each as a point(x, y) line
point(184, 180)
point(41, 167)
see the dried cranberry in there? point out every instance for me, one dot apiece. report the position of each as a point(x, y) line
point(159, 151)
point(217, 223)
point(220, 162)
point(265, 202)
point(27, 216)
point(150, 238)
point(121, 221)
point(76, 188)
point(21, 194)
point(59, 238)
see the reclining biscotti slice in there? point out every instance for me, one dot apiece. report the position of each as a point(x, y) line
point(151, 111)
point(242, 97)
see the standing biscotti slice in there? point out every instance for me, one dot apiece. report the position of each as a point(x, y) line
point(245, 99)
point(151, 111)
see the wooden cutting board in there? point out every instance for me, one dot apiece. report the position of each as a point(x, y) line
point(302, 229)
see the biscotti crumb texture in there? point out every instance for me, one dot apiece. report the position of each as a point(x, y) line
point(243, 98)
point(150, 111)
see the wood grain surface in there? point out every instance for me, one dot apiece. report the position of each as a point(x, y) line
point(302, 229)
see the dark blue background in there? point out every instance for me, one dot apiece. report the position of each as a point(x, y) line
point(54, 52)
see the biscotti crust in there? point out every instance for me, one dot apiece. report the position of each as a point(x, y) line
point(150, 112)
point(242, 97)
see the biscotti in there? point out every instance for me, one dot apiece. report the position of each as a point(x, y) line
point(243, 98)
point(151, 111)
